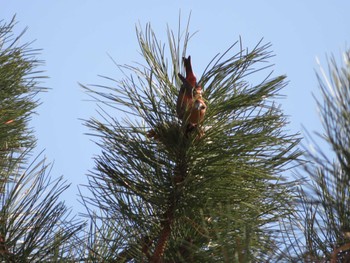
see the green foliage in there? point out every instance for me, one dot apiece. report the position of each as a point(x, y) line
point(325, 200)
point(18, 85)
point(214, 197)
point(34, 225)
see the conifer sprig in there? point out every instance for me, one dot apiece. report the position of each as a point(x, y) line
point(34, 225)
point(324, 198)
point(180, 197)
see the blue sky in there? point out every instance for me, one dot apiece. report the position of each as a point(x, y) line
point(77, 36)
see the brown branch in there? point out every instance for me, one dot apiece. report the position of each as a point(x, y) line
point(340, 249)
point(3, 247)
point(168, 218)
point(164, 235)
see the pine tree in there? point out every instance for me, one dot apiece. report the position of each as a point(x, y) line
point(323, 234)
point(211, 195)
point(34, 225)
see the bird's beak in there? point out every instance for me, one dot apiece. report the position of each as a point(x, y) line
point(199, 106)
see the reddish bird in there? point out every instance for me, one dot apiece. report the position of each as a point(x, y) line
point(190, 105)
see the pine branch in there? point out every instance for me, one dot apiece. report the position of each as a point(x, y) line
point(167, 189)
point(34, 226)
point(324, 205)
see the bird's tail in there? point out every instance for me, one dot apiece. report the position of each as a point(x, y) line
point(190, 77)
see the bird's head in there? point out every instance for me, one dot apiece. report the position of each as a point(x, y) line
point(198, 91)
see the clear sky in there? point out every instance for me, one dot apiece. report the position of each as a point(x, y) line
point(77, 35)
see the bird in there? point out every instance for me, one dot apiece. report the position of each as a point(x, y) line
point(190, 106)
